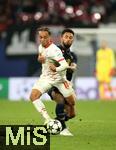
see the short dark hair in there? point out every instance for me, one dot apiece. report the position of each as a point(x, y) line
point(44, 29)
point(67, 30)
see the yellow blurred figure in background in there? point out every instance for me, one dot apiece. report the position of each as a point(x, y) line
point(105, 68)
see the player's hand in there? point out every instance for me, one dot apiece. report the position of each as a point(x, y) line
point(41, 58)
point(73, 66)
point(52, 67)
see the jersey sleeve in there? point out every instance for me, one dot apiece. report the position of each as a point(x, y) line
point(58, 56)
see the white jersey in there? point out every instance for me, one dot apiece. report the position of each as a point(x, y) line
point(51, 52)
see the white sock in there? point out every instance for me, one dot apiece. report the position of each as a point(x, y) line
point(41, 108)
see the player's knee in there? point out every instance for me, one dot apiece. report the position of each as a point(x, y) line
point(59, 99)
point(72, 116)
point(35, 94)
point(70, 100)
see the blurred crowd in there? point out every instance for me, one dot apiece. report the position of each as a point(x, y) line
point(69, 13)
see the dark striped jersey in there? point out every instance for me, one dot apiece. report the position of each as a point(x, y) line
point(70, 57)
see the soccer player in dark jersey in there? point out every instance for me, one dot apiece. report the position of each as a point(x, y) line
point(65, 111)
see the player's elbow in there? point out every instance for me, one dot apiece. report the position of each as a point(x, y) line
point(65, 65)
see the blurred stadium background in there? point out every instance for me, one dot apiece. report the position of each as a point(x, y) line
point(92, 21)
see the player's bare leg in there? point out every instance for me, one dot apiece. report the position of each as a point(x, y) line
point(70, 101)
point(35, 95)
point(58, 98)
point(110, 89)
point(101, 90)
point(61, 115)
point(65, 109)
point(71, 110)
point(71, 106)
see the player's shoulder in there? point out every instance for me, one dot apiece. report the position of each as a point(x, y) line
point(73, 53)
point(74, 56)
point(55, 48)
point(60, 47)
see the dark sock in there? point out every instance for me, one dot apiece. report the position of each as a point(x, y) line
point(61, 114)
point(60, 110)
point(63, 124)
point(67, 117)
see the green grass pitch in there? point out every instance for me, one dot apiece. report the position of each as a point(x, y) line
point(94, 127)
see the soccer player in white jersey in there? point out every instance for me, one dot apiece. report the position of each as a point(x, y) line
point(51, 75)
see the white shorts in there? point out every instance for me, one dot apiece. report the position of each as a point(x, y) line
point(43, 85)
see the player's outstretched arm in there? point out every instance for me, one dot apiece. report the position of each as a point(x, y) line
point(63, 66)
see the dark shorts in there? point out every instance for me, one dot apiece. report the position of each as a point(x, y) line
point(53, 89)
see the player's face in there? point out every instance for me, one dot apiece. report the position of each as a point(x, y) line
point(67, 39)
point(44, 38)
